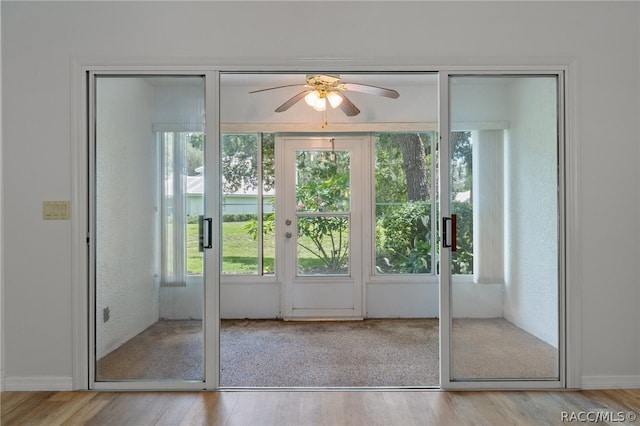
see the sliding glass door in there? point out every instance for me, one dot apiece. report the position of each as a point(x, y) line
point(501, 241)
point(170, 179)
point(149, 229)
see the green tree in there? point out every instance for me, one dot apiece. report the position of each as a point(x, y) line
point(461, 181)
point(195, 153)
point(414, 165)
point(461, 161)
point(403, 202)
point(323, 186)
point(240, 161)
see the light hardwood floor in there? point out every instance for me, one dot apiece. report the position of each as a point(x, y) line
point(334, 408)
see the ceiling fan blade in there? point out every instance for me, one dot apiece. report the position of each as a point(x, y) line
point(278, 87)
point(372, 90)
point(347, 106)
point(288, 104)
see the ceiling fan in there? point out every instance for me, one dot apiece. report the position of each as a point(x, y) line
point(321, 89)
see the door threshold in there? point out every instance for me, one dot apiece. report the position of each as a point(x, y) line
point(333, 389)
point(318, 319)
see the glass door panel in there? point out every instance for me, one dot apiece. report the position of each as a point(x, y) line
point(323, 245)
point(503, 183)
point(149, 191)
point(323, 194)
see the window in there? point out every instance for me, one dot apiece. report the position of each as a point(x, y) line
point(248, 215)
point(462, 201)
point(181, 165)
point(405, 213)
point(404, 193)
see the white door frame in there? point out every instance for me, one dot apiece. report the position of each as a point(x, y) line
point(81, 197)
point(304, 297)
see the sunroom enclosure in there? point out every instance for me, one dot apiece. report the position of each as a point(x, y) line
point(373, 182)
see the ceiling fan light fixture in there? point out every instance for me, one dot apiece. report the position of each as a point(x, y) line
point(334, 99)
point(321, 88)
point(321, 104)
point(312, 97)
point(316, 100)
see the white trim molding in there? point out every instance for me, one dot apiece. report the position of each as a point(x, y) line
point(611, 382)
point(36, 383)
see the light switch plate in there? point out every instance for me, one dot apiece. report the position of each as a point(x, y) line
point(56, 210)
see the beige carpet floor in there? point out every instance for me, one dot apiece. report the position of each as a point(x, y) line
point(373, 352)
point(495, 348)
point(167, 350)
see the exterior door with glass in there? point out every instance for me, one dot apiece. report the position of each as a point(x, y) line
point(320, 227)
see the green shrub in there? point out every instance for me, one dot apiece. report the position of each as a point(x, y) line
point(239, 217)
point(462, 259)
point(404, 238)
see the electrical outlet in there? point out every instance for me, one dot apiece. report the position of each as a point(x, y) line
point(106, 314)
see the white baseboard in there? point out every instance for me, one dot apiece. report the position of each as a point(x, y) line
point(611, 382)
point(36, 384)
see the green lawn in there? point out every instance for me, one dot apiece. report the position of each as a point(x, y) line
point(239, 251)
point(194, 256)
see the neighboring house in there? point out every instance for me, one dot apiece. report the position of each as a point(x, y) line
point(243, 201)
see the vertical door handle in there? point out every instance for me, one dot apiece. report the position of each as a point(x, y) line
point(453, 245)
point(200, 233)
point(205, 231)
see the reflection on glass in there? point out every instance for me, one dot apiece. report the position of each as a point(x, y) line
point(323, 245)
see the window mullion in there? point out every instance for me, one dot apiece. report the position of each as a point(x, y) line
point(260, 207)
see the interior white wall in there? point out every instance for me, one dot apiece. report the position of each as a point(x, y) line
point(183, 303)
point(474, 104)
point(531, 208)
point(127, 211)
point(41, 40)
